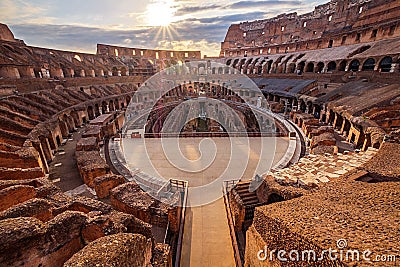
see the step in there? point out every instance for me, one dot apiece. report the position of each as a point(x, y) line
point(249, 199)
point(251, 203)
point(241, 189)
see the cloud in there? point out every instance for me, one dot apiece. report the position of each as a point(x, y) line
point(266, 4)
point(248, 5)
point(194, 9)
point(203, 26)
point(84, 39)
point(15, 10)
point(234, 17)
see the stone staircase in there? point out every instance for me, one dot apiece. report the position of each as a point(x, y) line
point(249, 198)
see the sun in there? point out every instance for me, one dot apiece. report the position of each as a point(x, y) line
point(160, 13)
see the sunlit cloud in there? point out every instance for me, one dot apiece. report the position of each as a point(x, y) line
point(167, 24)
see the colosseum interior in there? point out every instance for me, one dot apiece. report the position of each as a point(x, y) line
point(74, 189)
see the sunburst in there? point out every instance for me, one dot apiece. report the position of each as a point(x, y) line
point(160, 13)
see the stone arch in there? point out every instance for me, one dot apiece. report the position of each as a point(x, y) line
point(116, 104)
point(332, 66)
point(260, 66)
point(320, 67)
point(104, 107)
point(44, 141)
point(128, 100)
point(301, 66)
point(96, 110)
point(69, 123)
point(220, 70)
point(269, 66)
point(291, 68)
point(342, 65)
point(235, 62)
point(369, 65)
point(111, 105)
point(247, 65)
point(58, 140)
point(228, 62)
point(354, 65)
point(114, 71)
point(386, 64)
point(310, 67)
point(240, 67)
point(78, 72)
point(123, 71)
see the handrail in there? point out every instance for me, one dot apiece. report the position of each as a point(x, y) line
point(181, 225)
point(235, 244)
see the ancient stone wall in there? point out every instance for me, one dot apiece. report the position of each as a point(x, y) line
point(334, 24)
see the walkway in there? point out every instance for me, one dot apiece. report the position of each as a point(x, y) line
point(63, 171)
point(206, 240)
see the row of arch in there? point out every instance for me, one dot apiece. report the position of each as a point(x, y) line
point(69, 121)
point(262, 65)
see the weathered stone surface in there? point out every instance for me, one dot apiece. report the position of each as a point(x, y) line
point(15, 194)
point(38, 208)
point(87, 144)
point(131, 199)
point(48, 244)
point(91, 165)
point(130, 250)
point(162, 256)
point(325, 139)
point(104, 184)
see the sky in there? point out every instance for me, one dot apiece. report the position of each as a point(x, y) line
point(78, 25)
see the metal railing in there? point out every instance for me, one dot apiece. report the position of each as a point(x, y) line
point(227, 187)
point(183, 187)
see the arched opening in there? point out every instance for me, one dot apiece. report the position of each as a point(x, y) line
point(386, 64)
point(128, 100)
point(369, 65)
point(228, 63)
point(320, 67)
point(96, 110)
point(354, 65)
point(310, 67)
point(114, 71)
point(68, 122)
point(269, 66)
point(77, 73)
point(376, 145)
point(220, 70)
point(241, 64)
point(342, 65)
point(291, 68)
point(331, 66)
point(235, 63)
point(123, 71)
point(111, 105)
point(104, 108)
point(303, 106)
point(301, 66)
point(274, 198)
point(58, 140)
